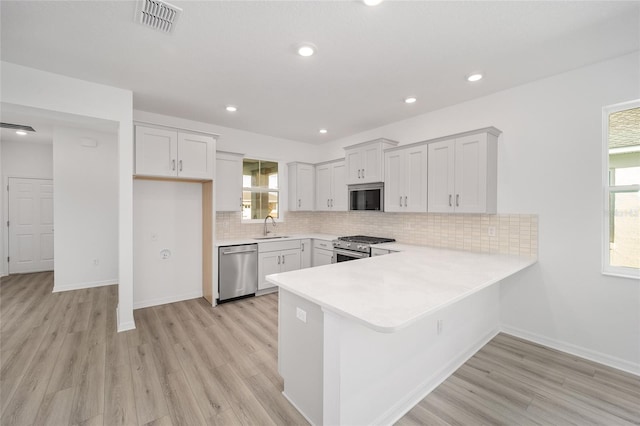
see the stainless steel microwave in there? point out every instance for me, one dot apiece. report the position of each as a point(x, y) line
point(369, 196)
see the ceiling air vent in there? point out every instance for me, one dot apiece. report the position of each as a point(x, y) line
point(158, 14)
point(17, 127)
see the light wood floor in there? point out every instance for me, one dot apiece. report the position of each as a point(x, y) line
point(62, 363)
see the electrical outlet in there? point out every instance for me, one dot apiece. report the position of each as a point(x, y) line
point(301, 315)
point(165, 254)
point(491, 231)
point(439, 326)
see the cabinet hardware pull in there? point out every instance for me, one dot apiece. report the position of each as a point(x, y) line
point(449, 200)
point(180, 165)
point(302, 247)
point(173, 164)
point(328, 204)
point(299, 202)
point(283, 258)
point(332, 202)
point(278, 260)
point(405, 201)
point(362, 173)
point(457, 200)
point(358, 173)
point(401, 201)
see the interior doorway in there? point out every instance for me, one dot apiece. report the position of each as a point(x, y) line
point(30, 225)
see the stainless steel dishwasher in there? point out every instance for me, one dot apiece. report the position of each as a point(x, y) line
point(237, 271)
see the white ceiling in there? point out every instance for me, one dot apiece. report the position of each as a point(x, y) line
point(368, 59)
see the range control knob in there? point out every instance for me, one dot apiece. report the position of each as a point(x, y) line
point(348, 244)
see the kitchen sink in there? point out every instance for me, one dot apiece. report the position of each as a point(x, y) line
point(271, 238)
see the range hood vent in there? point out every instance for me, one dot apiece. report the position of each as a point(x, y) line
point(158, 14)
point(17, 127)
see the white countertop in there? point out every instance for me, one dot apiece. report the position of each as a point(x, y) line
point(254, 240)
point(388, 293)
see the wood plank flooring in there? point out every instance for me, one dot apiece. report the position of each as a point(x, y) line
point(62, 363)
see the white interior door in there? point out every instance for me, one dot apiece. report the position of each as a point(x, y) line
point(30, 225)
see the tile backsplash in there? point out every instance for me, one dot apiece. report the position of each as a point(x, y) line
point(514, 234)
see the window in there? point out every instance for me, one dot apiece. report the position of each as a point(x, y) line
point(260, 195)
point(622, 190)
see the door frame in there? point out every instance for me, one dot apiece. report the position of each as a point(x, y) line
point(5, 215)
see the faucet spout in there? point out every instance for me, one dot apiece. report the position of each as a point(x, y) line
point(273, 222)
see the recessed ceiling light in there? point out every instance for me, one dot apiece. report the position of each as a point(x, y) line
point(410, 99)
point(476, 76)
point(372, 2)
point(21, 132)
point(306, 49)
point(232, 108)
point(323, 131)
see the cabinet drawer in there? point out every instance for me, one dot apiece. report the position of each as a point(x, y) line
point(322, 244)
point(278, 245)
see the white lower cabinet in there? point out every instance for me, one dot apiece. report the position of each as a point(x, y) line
point(275, 257)
point(305, 253)
point(322, 253)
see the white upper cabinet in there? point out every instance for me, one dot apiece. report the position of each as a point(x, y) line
point(365, 161)
point(405, 183)
point(462, 173)
point(163, 152)
point(228, 182)
point(331, 189)
point(301, 186)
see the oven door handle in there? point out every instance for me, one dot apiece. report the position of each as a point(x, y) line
point(356, 254)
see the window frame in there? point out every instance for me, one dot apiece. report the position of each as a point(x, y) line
point(280, 217)
point(607, 268)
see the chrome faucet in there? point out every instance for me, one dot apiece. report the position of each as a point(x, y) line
point(266, 232)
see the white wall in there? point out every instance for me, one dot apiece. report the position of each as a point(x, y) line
point(167, 215)
point(33, 88)
point(24, 159)
point(85, 208)
point(549, 163)
point(21, 159)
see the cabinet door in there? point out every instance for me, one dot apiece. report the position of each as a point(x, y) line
point(323, 187)
point(268, 263)
point(156, 152)
point(289, 260)
point(339, 194)
point(415, 179)
point(441, 177)
point(322, 257)
point(305, 187)
point(371, 164)
point(394, 185)
point(196, 156)
point(305, 253)
point(471, 174)
point(353, 160)
point(228, 182)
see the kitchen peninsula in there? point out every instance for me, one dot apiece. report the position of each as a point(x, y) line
point(362, 342)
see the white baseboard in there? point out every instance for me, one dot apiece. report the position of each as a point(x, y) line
point(396, 412)
point(168, 299)
point(130, 325)
point(80, 286)
point(297, 408)
point(576, 350)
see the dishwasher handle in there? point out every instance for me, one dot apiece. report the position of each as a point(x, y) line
point(251, 250)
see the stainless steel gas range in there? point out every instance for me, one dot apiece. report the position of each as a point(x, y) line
point(355, 247)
